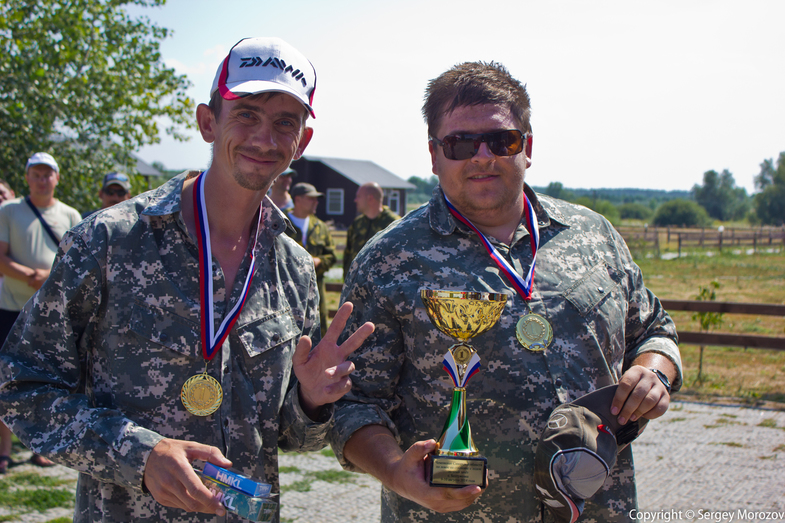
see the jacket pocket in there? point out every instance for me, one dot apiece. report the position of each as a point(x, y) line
point(268, 332)
point(592, 289)
point(164, 328)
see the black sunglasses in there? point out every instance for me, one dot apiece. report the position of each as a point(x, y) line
point(115, 192)
point(465, 146)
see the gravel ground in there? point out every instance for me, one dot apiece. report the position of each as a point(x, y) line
point(699, 462)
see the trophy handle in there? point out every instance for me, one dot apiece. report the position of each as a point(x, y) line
point(456, 438)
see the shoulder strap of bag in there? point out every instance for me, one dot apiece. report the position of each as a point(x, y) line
point(45, 225)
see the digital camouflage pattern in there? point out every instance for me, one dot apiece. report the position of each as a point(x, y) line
point(363, 229)
point(320, 244)
point(92, 372)
point(586, 285)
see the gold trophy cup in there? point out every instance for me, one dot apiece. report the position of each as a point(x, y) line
point(463, 315)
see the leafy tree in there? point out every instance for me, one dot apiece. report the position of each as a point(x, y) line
point(424, 188)
point(604, 207)
point(770, 202)
point(85, 82)
point(681, 212)
point(635, 211)
point(720, 196)
point(557, 190)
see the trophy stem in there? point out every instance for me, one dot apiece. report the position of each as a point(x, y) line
point(456, 438)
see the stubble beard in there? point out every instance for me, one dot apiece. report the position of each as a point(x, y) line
point(257, 181)
point(479, 204)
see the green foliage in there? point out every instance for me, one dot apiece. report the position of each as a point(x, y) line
point(424, 189)
point(720, 196)
point(707, 320)
point(635, 211)
point(557, 190)
point(650, 197)
point(681, 213)
point(85, 82)
point(770, 202)
point(604, 207)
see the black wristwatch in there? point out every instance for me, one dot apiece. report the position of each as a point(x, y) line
point(663, 378)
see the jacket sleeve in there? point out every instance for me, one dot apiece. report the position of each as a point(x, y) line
point(44, 374)
point(297, 431)
point(322, 246)
point(348, 253)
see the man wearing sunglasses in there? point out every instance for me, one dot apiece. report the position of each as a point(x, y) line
point(581, 321)
point(115, 189)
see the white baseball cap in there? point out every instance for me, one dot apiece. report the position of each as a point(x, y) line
point(42, 159)
point(257, 65)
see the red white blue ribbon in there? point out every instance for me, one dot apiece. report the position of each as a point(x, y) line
point(452, 369)
point(212, 339)
point(523, 286)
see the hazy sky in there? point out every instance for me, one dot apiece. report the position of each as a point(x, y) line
point(647, 94)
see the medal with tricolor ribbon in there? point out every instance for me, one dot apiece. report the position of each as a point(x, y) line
point(533, 331)
point(202, 394)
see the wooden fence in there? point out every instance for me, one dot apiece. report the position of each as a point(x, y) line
point(725, 339)
point(718, 238)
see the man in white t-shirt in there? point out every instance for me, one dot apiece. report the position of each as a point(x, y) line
point(313, 234)
point(27, 250)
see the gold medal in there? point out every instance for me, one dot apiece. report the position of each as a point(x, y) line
point(202, 394)
point(534, 332)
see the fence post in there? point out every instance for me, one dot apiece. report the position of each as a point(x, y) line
point(657, 242)
point(720, 241)
point(679, 245)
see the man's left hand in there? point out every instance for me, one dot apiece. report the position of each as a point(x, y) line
point(323, 372)
point(640, 394)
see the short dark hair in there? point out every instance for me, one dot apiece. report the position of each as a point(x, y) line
point(475, 83)
point(216, 103)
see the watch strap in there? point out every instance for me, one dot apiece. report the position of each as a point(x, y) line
point(663, 378)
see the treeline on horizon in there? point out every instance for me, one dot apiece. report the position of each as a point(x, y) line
point(717, 200)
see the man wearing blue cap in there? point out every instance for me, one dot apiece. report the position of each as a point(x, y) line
point(180, 323)
point(115, 189)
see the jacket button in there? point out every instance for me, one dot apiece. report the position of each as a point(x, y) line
point(557, 382)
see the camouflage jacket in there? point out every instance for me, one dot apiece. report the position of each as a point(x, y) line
point(586, 285)
point(92, 372)
point(361, 230)
point(319, 243)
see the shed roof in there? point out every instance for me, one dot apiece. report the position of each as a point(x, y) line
point(144, 168)
point(364, 171)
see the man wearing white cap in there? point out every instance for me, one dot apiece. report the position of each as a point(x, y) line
point(30, 230)
point(178, 325)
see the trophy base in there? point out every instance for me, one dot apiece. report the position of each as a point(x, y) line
point(457, 471)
